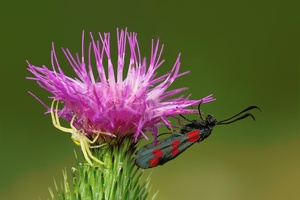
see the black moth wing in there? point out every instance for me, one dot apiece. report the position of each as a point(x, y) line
point(179, 145)
point(166, 150)
point(145, 154)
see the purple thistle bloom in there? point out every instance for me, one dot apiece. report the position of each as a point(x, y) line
point(110, 101)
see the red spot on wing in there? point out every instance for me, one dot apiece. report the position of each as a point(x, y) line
point(175, 151)
point(157, 152)
point(193, 135)
point(175, 143)
point(153, 162)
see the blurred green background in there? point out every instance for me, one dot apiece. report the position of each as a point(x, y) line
point(244, 52)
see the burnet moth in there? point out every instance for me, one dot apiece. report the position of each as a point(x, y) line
point(196, 131)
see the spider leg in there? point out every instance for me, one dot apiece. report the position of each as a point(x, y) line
point(72, 122)
point(55, 119)
point(108, 134)
point(83, 149)
point(78, 138)
point(94, 140)
point(96, 146)
point(98, 134)
point(87, 152)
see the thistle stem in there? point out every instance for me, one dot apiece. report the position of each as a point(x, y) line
point(118, 178)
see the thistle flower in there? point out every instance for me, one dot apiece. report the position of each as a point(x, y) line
point(108, 103)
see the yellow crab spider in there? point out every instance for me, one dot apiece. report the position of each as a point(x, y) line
point(77, 136)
